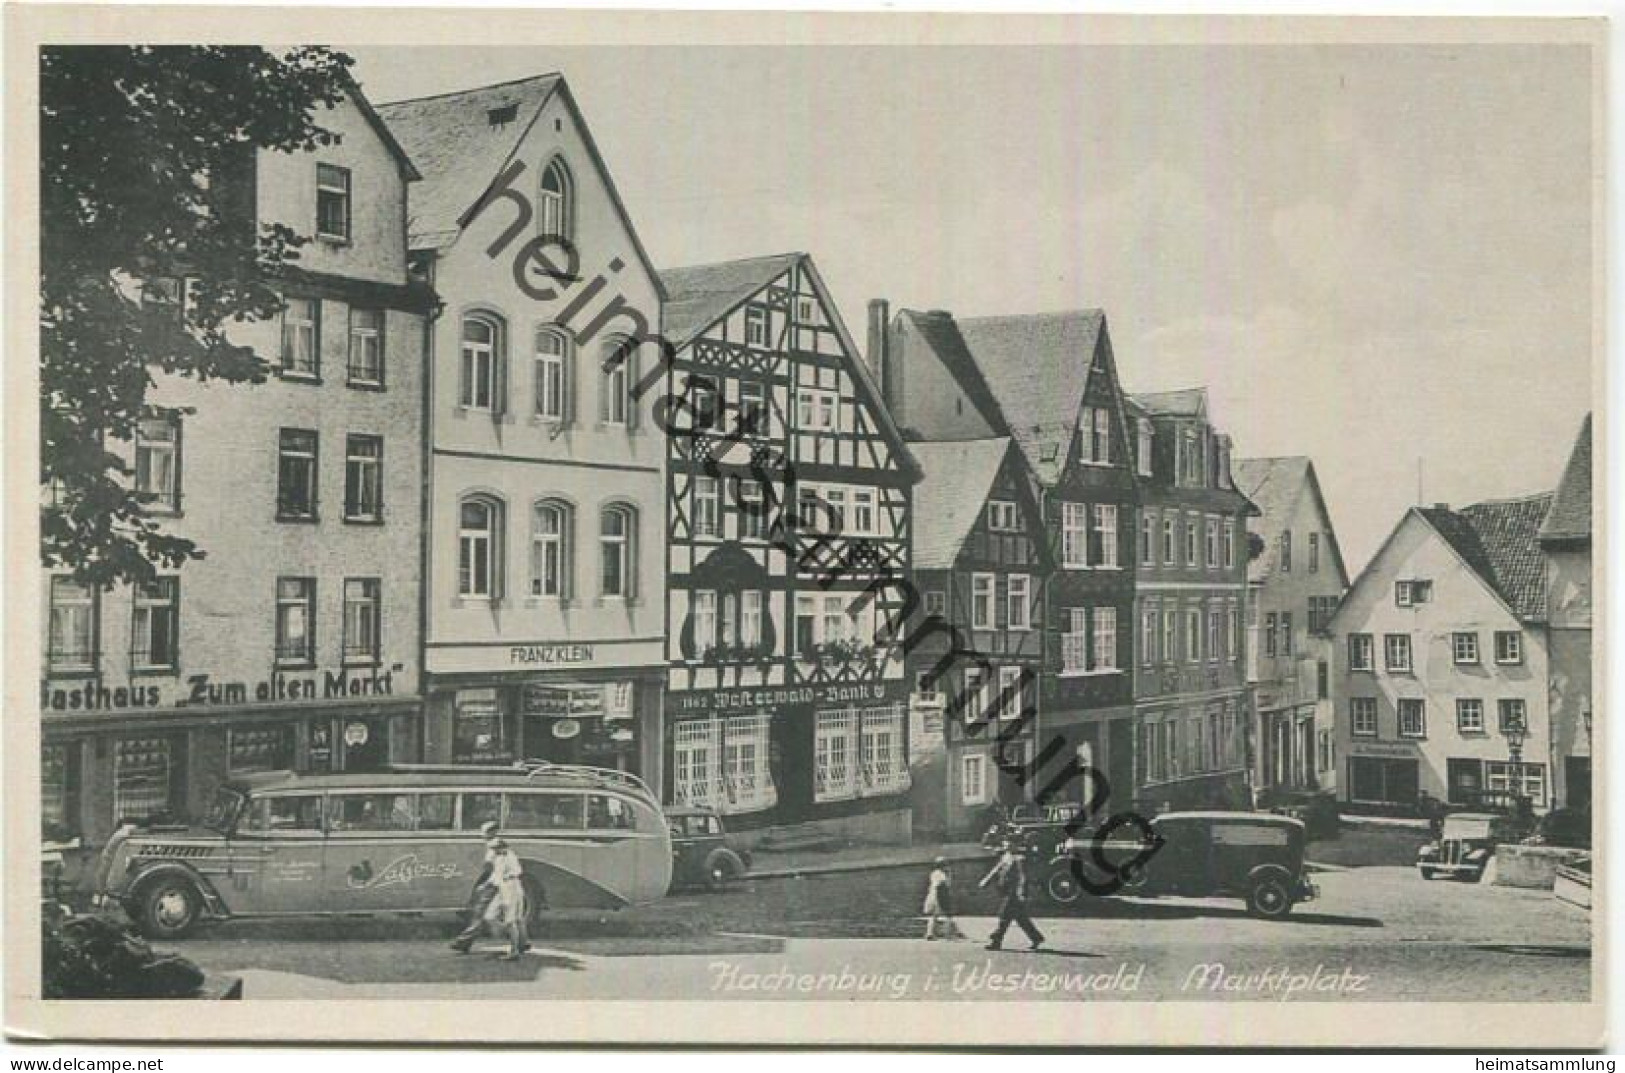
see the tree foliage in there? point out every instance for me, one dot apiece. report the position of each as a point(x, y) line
point(146, 177)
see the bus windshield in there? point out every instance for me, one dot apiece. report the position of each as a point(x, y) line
point(223, 810)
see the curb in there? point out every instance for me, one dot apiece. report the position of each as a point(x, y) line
point(837, 867)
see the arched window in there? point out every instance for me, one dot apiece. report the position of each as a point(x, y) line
point(554, 207)
point(617, 542)
point(552, 374)
point(479, 547)
point(551, 527)
point(618, 372)
point(480, 384)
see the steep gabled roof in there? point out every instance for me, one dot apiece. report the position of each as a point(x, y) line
point(1186, 402)
point(959, 474)
point(1498, 541)
point(1570, 516)
point(713, 292)
point(940, 332)
point(460, 153)
point(1275, 486)
point(385, 135)
point(1036, 367)
point(700, 295)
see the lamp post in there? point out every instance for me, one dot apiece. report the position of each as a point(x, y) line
point(1516, 732)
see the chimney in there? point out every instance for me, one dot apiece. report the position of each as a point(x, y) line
point(878, 356)
point(1441, 506)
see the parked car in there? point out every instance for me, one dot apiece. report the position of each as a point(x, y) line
point(1039, 830)
point(1256, 856)
point(1566, 827)
point(703, 854)
point(1465, 844)
point(1317, 810)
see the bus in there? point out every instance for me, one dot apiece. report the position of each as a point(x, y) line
point(404, 840)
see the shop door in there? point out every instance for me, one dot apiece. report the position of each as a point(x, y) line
point(1577, 781)
point(1120, 764)
point(365, 743)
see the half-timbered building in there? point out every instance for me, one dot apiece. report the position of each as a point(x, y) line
point(980, 563)
point(788, 512)
point(1049, 382)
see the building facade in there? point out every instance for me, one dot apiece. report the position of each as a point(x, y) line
point(788, 529)
point(1441, 661)
point(294, 643)
point(1565, 541)
point(980, 564)
point(1296, 580)
point(1049, 382)
point(1191, 700)
point(544, 573)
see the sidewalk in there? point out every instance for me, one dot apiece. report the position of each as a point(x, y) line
point(768, 864)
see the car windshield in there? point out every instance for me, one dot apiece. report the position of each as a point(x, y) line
point(1473, 828)
point(223, 810)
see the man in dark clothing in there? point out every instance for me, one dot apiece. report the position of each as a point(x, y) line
point(1011, 876)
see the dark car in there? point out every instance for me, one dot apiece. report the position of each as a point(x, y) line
point(1256, 856)
point(1569, 828)
point(1466, 844)
point(1039, 830)
point(1317, 810)
point(702, 853)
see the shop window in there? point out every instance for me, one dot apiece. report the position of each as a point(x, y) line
point(146, 778)
point(59, 791)
point(262, 747)
point(480, 730)
point(835, 775)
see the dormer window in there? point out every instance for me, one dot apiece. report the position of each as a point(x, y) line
point(553, 204)
point(502, 116)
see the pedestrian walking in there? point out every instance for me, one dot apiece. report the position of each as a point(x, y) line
point(480, 896)
point(508, 909)
point(939, 903)
point(1010, 875)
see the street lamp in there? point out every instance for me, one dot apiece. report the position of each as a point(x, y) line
point(1516, 732)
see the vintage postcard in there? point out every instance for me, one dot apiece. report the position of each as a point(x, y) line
point(804, 528)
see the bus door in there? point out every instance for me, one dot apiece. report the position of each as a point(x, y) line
point(276, 856)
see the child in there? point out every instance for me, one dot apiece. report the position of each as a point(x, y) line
point(939, 902)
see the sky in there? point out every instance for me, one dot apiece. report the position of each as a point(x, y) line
point(1379, 256)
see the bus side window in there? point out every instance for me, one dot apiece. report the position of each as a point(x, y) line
point(545, 812)
point(435, 811)
point(604, 811)
point(292, 815)
point(480, 809)
point(253, 818)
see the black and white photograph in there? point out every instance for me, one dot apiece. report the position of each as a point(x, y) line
point(943, 515)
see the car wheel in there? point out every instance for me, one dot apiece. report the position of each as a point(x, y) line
point(169, 907)
point(722, 869)
point(1269, 899)
point(1062, 887)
